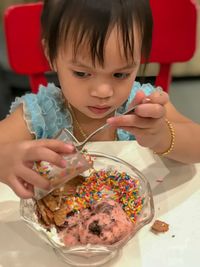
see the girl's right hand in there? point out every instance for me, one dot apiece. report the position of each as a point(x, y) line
point(17, 159)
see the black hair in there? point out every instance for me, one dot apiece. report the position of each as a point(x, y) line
point(91, 21)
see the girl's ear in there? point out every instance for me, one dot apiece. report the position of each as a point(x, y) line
point(46, 53)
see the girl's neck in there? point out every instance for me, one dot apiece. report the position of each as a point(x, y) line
point(84, 126)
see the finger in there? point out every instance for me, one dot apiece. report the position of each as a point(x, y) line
point(129, 121)
point(147, 123)
point(17, 185)
point(150, 110)
point(33, 178)
point(43, 153)
point(138, 122)
point(55, 145)
point(143, 137)
point(28, 186)
point(158, 97)
point(139, 131)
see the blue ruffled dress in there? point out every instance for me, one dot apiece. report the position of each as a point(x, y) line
point(46, 112)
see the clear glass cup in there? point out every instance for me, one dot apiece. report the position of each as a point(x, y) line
point(94, 254)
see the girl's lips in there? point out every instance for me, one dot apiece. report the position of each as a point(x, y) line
point(98, 110)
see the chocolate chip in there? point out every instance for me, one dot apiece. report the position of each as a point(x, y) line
point(95, 228)
point(71, 213)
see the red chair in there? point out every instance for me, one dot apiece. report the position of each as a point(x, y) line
point(174, 35)
point(174, 39)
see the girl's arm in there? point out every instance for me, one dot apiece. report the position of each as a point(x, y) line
point(18, 152)
point(187, 137)
point(14, 128)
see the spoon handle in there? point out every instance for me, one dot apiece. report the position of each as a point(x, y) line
point(81, 144)
point(130, 110)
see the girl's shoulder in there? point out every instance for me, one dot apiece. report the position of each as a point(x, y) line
point(45, 112)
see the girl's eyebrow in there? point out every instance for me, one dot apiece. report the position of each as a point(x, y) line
point(129, 66)
point(80, 64)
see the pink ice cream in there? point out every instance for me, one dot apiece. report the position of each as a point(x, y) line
point(105, 223)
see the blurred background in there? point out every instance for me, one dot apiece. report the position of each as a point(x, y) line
point(184, 90)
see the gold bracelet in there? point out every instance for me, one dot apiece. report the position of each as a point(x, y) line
point(172, 133)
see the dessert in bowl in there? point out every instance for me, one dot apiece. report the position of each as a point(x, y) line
point(88, 219)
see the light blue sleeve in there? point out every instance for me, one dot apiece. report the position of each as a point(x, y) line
point(147, 89)
point(45, 113)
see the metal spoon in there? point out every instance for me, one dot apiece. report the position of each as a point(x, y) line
point(79, 145)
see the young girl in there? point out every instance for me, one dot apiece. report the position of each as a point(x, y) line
point(95, 47)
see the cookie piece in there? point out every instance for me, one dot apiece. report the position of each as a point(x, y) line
point(60, 216)
point(51, 202)
point(45, 215)
point(160, 226)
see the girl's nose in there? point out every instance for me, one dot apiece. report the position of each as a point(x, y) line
point(104, 90)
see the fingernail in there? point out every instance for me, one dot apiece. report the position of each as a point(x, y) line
point(110, 120)
point(159, 89)
point(69, 147)
point(25, 184)
point(146, 100)
point(63, 163)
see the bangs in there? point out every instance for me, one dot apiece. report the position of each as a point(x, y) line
point(88, 23)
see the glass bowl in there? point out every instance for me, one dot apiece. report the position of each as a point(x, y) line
point(126, 191)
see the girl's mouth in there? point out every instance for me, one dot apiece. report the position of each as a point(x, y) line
point(98, 110)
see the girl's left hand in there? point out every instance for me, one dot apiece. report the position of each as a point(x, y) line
point(147, 123)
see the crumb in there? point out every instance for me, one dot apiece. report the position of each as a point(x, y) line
point(160, 227)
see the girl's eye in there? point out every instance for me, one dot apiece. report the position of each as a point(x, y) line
point(81, 74)
point(122, 76)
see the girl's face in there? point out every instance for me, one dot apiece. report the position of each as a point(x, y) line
point(96, 91)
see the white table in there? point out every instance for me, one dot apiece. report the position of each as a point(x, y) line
point(177, 202)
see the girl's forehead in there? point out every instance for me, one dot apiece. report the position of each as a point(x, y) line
point(113, 50)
